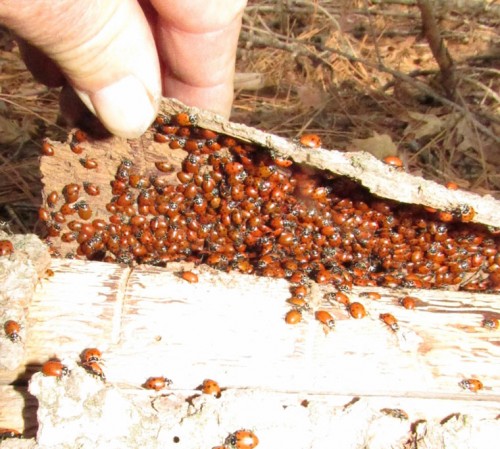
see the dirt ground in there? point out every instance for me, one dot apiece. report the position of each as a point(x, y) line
point(360, 74)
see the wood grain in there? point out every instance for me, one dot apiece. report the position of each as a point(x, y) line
point(148, 321)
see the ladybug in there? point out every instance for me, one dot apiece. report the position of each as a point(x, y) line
point(293, 316)
point(12, 329)
point(490, 323)
point(189, 276)
point(242, 439)
point(445, 216)
point(393, 161)
point(282, 162)
point(160, 138)
point(52, 198)
point(299, 290)
point(451, 185)
point(6, 248)
point(47, 149)
point(341, 298)
point(90, 355)
point(9, 433)
point(157, 383)
point(54, 368)
point(84, 210)
point(211, 387)
point(95, 369)
point(473, 385)
point(465, 213)
point(357, 310)
point(326, 318)
point(310, 140)
point(408, 302)
point(164, 167)
point(298, 302)
point(71, 192)
point(185, 119)
point(89, 163)
point(75, 148)
point(91, 189)
point(80, 136)
point(390, 320)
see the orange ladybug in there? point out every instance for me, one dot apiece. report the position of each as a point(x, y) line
point(54, 368)
point(465, 213)
point(393, 161)
point(211, 387)
point(242, 439)
point(95, 369)
point(342, 298)
point(293, 317)
point(90, 355)
point(185, 119)
point(445, 216)
point(89, 163)
point(47, 149)
point(473, 385)
point(157, 383)
point(326, 318)
point(91, 189)
point(357, 310)
point(6, 248)
point(9, 433)
point(298, 302)
point(282, 162)
point(189, 276)
point(408, 302)
point(310, 140)
point(12, 329)
point(390, 321)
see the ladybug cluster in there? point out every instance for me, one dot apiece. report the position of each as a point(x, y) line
point(299, 303)
point(235, 206)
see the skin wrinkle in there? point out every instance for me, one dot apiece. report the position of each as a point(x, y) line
point(221, 64)
point(199, 16)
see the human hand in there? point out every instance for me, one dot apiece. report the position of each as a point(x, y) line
point(120, 56)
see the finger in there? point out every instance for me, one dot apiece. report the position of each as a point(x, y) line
point(105, 50)
point(197, 42)
point(42, 67)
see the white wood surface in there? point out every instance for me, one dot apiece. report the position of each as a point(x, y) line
point(231, 326)
point(148, 322)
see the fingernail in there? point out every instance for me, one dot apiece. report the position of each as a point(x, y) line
point(125, 107)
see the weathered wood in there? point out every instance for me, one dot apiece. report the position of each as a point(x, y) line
point(228, 326)
point(378, 177)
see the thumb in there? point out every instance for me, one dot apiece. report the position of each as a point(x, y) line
point(105, 50)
